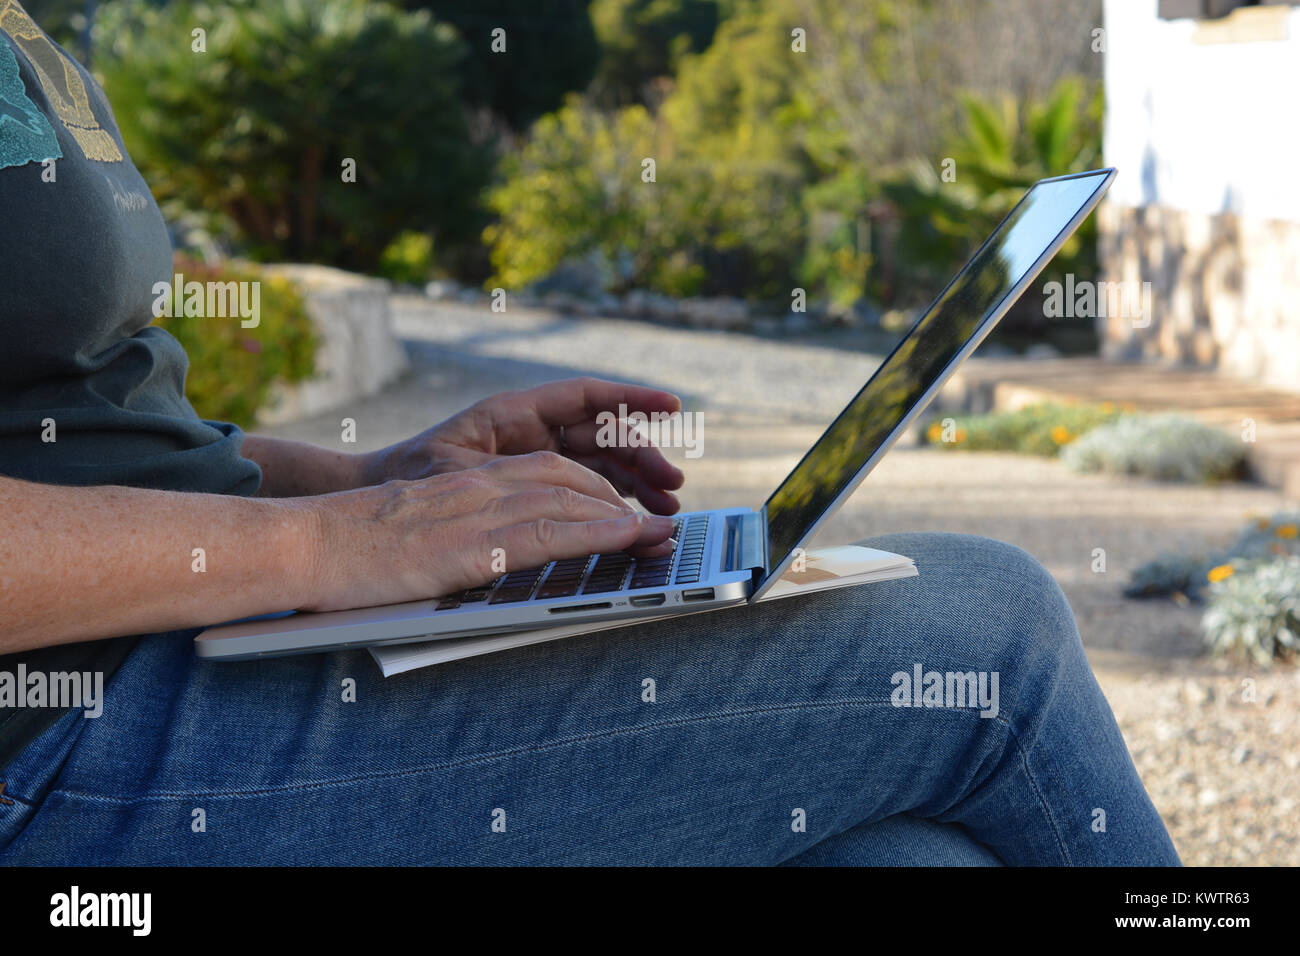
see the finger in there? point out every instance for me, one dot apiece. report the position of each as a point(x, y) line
point(585, 440)
point(629, 482)
point(536, 542)
point(549, 468)
point(530, 419)
point(555, 502)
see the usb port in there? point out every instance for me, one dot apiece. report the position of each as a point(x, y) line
point(648, 600)
point(698, 594)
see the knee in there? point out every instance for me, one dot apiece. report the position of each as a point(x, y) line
point(988, 600)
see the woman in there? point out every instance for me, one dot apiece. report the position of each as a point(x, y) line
point(770, 736)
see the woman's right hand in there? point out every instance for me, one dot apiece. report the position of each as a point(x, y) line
point(410, 540)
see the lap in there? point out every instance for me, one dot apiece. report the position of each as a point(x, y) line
point(697, 740)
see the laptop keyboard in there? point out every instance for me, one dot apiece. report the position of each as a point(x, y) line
point(596, 573)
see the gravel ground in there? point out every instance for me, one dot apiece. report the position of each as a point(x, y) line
point(1221, 769)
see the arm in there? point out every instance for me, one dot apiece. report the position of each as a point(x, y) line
point(79, 563)
point(291, 469)
point(512, 423)
point(84, 563)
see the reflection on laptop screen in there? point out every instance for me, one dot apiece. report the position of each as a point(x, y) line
point(921, 358)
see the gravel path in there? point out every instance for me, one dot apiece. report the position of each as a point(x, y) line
point(1221, 769)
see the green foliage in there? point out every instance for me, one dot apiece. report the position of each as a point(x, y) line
point(643, 40)
point(838, 258)
point(1041, 429)
point(1001, 148)
point(255, 131)
point(551, 50)
point(723, 216)
point(1167, 447)
point(1254, 611)
point(575, 188)
point(233, 368)
point(408, 259)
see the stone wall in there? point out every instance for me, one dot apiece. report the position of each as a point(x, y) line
point(358, 353)
point(1225, 290)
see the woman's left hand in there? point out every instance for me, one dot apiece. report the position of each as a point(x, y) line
point(560, 417)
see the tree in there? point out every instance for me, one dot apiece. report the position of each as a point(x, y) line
point(642, 41)
point(262, 129)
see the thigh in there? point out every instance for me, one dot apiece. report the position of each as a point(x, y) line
point(742, 736)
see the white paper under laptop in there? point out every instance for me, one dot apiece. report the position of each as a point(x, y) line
point(822, 570)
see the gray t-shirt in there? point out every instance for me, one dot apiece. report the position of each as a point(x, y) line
point(82, 244)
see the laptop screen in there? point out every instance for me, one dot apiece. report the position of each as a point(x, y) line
point(923, 356)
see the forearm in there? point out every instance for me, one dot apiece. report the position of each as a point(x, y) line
point(85, 563)
point(292, 469)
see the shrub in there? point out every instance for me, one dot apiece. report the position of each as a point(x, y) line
point(1254, 610)
point(1167, 447)
point(1000, 148)
point(1040, 429)
point(233, 368)
point(1172, 573)
point(724, 214)
point(1261, 539)
point(255, 131)
point(408, 259)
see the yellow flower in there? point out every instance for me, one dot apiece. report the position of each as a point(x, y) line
point(1221, 573)
point(1287, 531)
point(960, 436)
point(1061, 435)
point(934, 432)
point(1107, 407)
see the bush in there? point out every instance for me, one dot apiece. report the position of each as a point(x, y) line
point(408, 259)
point(723, 215)
point(255, 131)
point(233, 368)
point(1040, 429)
point(1167, 447)
point(1000, 149)
point(1262, 539)
point(1254, 610)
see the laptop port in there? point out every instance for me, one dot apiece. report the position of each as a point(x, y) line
point(698, 594)
point(648, 600)
point(580, 607)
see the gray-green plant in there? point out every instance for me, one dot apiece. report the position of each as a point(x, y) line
point(1167, 447)
point(1255, 611)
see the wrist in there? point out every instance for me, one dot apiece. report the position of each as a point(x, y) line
point(299, 535)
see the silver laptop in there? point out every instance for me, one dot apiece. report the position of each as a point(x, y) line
point(732, 555)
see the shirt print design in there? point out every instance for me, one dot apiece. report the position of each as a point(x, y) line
point(61, 82)
point(25, 134)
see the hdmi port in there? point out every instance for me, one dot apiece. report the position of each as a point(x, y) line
point(648, 600)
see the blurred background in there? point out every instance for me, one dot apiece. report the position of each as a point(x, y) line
point(747, 201)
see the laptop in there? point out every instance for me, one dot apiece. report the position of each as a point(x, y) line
point(727, 556)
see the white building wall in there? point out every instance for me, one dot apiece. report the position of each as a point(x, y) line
point(1199, 122)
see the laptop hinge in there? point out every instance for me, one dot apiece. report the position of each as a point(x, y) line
point(745, 544)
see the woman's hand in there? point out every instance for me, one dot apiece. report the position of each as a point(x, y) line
point(560, 417)
point(409, 540)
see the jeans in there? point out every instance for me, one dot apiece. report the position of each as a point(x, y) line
point(753, 736)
